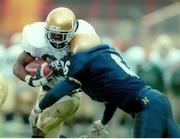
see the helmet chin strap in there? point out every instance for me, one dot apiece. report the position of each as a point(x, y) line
point(58, 53)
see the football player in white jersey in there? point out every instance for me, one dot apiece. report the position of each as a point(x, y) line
point(57, 38)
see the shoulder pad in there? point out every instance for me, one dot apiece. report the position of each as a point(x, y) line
point(85, 27)
point(33, 36)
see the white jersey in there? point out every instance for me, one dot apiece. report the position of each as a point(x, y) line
point(34, 42)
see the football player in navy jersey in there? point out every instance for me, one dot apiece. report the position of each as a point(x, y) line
point(104, 76)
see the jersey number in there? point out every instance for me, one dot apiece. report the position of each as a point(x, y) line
point(65, 66)
point(119, 61)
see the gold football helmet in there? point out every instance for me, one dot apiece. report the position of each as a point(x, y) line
point(60, 27)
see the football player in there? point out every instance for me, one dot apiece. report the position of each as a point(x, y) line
point(60, 36)
point(103, 75)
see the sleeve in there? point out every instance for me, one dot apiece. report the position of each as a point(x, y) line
point(108, 113)
point(24, 42)
point(58, 91)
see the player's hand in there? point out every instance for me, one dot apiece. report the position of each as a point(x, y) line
point(33, 118)
point(49, 58)
point(34, 115)
point(99, 129)
point(37, 80)
point(57, 67)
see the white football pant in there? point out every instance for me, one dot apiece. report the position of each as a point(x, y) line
point(51, 119)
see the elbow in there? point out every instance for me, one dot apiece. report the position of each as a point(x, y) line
point(15, 69)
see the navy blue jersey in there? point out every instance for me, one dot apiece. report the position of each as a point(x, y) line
point(104, 76)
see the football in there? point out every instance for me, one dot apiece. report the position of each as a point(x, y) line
point(32, 67)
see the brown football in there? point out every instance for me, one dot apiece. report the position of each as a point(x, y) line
point(32, 67)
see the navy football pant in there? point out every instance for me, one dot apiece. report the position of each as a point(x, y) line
point(155, 120)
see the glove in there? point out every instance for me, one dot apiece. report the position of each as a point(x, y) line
point(49, 58)
point(99, 129)
point(57, 67)
point(34, 115)
point(37, 80)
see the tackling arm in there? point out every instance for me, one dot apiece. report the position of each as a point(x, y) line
point(57, 92)
point(69, 84)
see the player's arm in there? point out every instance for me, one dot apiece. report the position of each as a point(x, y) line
point(19, 66)
point(20, 71)
point(57, 92)
point(70, 84)
point(100, 125)
point(108, 113)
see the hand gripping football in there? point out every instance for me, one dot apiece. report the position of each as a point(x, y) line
point(32, 67)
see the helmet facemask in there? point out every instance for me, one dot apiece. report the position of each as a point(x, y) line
point(60, 28)
point(59, 38)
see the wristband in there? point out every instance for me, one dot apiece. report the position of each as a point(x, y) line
point(27, 78)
